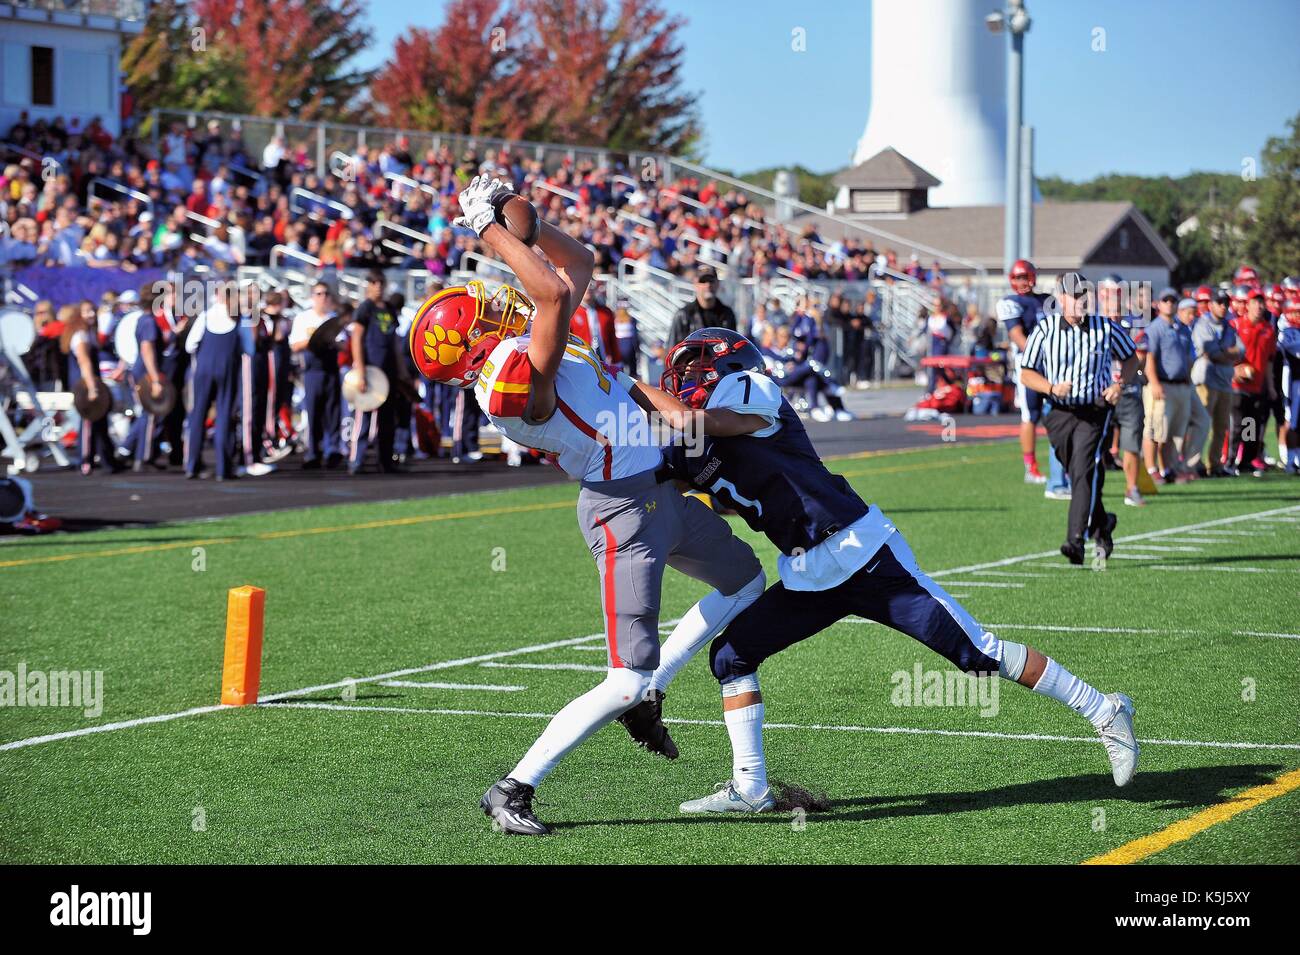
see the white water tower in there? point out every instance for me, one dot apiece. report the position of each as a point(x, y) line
point(938, 96)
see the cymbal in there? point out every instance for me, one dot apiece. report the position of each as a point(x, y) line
point(376, 392)
point(323, 338)
point(161, 406)
point(91, 410)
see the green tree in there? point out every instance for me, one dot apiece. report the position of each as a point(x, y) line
point(1273, 244)
point(169, 65)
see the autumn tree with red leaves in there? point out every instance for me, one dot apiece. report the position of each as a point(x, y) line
point(295, 53)
point(466, 76)
point(573, 71)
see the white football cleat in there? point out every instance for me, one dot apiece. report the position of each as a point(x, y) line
point(726, 799)
point(1117, 736)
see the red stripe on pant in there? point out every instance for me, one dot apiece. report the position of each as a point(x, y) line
point(589, 431)
point(611, 595)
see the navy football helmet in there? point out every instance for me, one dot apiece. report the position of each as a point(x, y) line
point(694, 366)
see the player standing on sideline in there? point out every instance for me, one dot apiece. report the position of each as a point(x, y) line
point(839, 556)
point(1020, 312)
point(1289, 348)
point(1129, 411)
point(545, 389)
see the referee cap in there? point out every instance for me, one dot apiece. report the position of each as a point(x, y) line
point(1074, 285)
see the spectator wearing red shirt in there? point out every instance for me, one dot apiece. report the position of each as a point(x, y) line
point(1252, 386)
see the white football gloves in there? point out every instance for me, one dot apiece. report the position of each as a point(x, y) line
point(476, 203)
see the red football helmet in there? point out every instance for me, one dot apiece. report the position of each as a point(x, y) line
point(1275, 295)
point(453, 332)
point(1022, 276)
point(1245, 275)
point(1291, 288)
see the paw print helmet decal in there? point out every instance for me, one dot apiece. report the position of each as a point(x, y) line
point(456, 329)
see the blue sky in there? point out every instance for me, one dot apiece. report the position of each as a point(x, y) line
point(1183, 84)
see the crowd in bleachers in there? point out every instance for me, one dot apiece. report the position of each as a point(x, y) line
point(200, 196)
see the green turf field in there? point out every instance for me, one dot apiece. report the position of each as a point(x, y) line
point(374, 772)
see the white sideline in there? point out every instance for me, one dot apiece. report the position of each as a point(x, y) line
point(396, 674)
point(815, 727)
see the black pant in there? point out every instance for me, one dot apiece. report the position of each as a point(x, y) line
point(1249, 417)
point(1076, 435)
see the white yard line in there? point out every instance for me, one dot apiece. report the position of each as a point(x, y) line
point(1253, 633)
point(1010, 573)
point(1233, 533)
point(1149, 535)
point(1170, 550)
point(537, 648)
point(1225, 570)
point(1134, 557)
point(1055, 629)
point(810, 727)
point(984, 583)
point(417, 685)
point(547, 666)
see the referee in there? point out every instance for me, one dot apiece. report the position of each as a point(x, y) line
point(1069, 358)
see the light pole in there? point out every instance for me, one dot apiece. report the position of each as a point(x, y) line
point(1015, 19)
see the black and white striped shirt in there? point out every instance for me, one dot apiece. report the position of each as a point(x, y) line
point(1080, 354)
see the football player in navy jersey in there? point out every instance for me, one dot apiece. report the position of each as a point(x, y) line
point(839, 556)
point(1020, 312)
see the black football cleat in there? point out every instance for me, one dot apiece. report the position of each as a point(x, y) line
point(1105, 539)
point(509, 804)
point(645, 724)
point(1073, 551)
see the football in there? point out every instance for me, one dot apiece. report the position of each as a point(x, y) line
point(518, 216)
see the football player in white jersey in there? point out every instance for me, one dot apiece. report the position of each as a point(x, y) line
point(545, 389)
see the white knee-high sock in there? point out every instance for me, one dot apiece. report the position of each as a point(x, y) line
point(621, 690)
point(745, 727)
point(1060, 684)
point(702, 623)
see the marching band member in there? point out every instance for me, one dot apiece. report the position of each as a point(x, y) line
point(160, 357)
point(80, 342)
point(320, 377)
point(257, 336)
point(279, 402)
point(373, 339)
point(214, 343)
